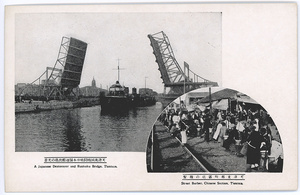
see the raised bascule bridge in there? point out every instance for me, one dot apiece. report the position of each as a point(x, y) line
point(62, 80)
point(176, 81)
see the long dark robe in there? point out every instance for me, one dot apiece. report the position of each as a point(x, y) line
point(253, 153)
point(206, 127)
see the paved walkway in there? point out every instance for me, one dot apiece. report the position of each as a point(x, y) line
point(220, 159)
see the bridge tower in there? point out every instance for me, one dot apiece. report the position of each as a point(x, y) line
point(62, 80)
point(179, 81)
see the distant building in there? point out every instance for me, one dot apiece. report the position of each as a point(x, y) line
point(92, 90)
point(147, 91)
point(93, 82)
point(25, 89)
point(28, 89)
point(20, 85)
point(193, 97)
point(49, 82)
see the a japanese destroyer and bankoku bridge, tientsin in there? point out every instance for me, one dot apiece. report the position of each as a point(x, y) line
point(58, 86)
point(117, 99)
point(61, 82)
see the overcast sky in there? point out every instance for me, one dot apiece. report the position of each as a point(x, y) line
point(194, 37)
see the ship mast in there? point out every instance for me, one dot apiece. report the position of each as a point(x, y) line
point(119, 69)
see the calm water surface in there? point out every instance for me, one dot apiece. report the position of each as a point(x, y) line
point(85, 129)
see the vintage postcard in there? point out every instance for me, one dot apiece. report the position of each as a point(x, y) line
point(151, 97)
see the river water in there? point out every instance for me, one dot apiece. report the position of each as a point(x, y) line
point(85, 129)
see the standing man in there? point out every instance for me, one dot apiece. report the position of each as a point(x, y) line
point(206, 126)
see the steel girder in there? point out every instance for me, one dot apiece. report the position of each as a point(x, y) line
point(171, 73)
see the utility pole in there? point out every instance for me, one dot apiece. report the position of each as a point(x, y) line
point(210, 101)
point(145, 85)
point(184, 81)
point(145, 81)
point(118, 70)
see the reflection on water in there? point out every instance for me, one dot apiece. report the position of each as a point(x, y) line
point(84, 129)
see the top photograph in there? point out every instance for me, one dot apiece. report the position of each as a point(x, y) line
point(98, 81)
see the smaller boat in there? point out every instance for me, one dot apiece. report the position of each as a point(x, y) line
point(116, 99)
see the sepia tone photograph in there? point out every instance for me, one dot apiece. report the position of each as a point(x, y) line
point(214, 130)
point(151, 97)
point(98, 81)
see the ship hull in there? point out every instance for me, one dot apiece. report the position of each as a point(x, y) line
point(114, 103)
point(145, 101)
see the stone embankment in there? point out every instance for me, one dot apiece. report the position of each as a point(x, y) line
point(37, 106)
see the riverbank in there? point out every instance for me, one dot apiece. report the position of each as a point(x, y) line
point(37, 106)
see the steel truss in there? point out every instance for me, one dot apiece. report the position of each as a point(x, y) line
point(49, 82)
point(172, 75)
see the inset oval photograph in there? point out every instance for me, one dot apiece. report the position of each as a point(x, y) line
point(214, 130)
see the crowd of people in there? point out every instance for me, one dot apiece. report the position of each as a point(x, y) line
point(246, 130)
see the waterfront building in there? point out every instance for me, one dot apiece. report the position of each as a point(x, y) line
point(147, 91)
point(91, 91)
point(27, 89)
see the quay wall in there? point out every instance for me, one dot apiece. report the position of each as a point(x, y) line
point(36, 106)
